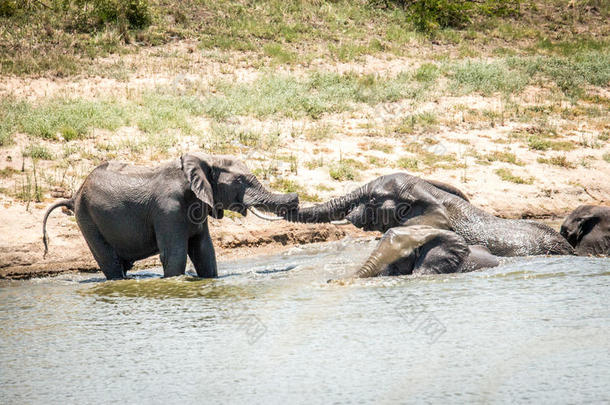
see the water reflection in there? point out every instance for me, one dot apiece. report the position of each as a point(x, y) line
point(164, 288)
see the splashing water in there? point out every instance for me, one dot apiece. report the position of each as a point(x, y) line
point(271, 329)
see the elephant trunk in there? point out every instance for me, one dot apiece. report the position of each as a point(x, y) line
point(257, 196)
point(332, 210)
point(371, 268)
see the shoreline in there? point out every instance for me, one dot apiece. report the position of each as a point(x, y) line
point(233, 238)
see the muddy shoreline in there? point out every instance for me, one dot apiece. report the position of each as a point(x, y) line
point(21, 252)
point(68, 251)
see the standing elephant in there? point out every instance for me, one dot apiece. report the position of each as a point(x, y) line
point(587, 229)
point(127, 213)
point(402, 200)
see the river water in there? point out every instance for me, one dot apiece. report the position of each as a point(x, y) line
point(272, 330)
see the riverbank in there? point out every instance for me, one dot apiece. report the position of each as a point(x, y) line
point(316, 98)
point(21, 248)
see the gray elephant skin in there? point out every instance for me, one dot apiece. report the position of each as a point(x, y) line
point(587, 229)
point(399, 201)
point(422, 249)
point(127, 213)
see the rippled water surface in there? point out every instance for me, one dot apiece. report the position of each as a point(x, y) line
point(271, 330)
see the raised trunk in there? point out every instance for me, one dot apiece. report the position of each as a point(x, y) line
point(332, 210)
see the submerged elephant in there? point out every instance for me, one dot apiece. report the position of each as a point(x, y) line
point(402, 200)
point(127, 213)
point(587, 229)
point(422, 249)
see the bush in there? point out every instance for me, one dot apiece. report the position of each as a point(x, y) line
point(430, 15)
point(7, 8)
point(133, 14)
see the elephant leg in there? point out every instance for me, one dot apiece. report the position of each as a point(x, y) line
point(201, 252)
point(172, 243)
point(105, 255)
point(127, 265)
point(397, 243)
point(444, 254)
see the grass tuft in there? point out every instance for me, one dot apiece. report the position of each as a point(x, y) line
point(290, 186)
point(561, 161)
point(487, 78)
point(346, 169)
point(37, 152)
point(507, 175)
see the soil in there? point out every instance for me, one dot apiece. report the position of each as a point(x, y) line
point(553, 193)
point(21, 248)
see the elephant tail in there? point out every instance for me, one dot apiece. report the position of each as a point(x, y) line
point(63, 203)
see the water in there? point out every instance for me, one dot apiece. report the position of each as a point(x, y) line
point(271, 330)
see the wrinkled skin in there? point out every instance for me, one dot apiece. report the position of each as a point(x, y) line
point(421, 249)
point(127, 213)
point(587, 229)
point(400, 200)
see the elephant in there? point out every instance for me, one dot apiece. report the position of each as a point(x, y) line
point(402, 200)
point(127, 213)
point(422, 249)
point(587, 229)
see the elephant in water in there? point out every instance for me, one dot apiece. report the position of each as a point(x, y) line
point(127, 213)
point(400, 200)
point(422, 249)
point(587, 229)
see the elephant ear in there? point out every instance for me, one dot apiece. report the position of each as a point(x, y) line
point(586, 225)
point(198, 172)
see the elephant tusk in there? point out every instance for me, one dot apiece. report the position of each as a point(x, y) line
point(340, 222)
point(264, 216)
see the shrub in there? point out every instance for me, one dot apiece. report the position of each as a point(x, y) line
point(7, 8)
point(126, 13)
point(430, 15)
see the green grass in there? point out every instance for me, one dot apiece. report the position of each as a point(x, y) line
point(313, 95)
point(65, 38)
point(65, 118)
point(606, 157)
point(509, 75)
point(381, 146)
point(420, 122)
point(571, 46)
point(561, 161)
point(319, 132)
point(536, 142)
point(487, 78)
point(68, 119)
point(38, 152)
point(507, 157)
point(290, 186)
point(346, 169)
point(569, 73)
point(228, 138)
point(157, 111)
point(427, 73)
point(408, 163)
point(278, 54)
point(507, 175)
